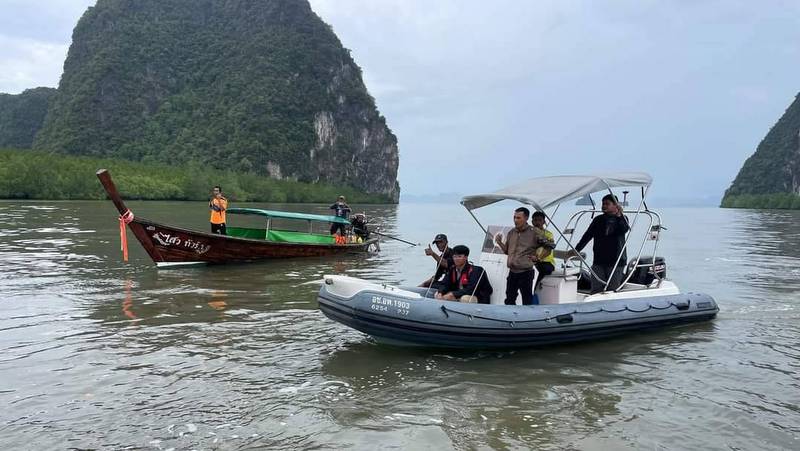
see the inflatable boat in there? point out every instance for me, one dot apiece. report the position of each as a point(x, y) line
point(568, 310)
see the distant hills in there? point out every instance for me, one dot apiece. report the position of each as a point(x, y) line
point(22, 115)
point(770, 178)
point(256, 87)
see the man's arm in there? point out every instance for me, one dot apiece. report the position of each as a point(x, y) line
point(587, 236)
point(446, 286)
point(547, 240)
point(622, 225)
point(502, 245)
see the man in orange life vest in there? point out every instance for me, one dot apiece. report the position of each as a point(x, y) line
point(218, 206)
point(465, 282)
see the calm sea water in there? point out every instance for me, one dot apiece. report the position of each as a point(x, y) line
point(100, 354)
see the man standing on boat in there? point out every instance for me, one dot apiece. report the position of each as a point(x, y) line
point(520, 246)
point(341, 210)
point(608, 233)
point(218, 205)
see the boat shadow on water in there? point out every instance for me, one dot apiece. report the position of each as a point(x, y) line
point(369, 355)
point(146, 296)
point(559, 394)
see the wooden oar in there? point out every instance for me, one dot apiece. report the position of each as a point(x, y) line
point(394, 238)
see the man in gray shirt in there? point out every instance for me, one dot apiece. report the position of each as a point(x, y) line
point(520, 246)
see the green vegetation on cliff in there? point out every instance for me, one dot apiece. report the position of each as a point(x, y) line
point(780, 201)
point(770, 178)
point(260, 87)
point(21, 116)
point(27, 174)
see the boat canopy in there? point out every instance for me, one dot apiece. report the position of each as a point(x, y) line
point(287, 215)
point(544, 192)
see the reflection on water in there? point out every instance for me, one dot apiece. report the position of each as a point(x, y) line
point(101, 354)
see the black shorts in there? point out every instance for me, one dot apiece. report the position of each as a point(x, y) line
point(337, 226)
point(218, 229)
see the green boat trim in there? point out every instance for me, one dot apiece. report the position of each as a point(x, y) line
point(280, 236)
point(287, 215)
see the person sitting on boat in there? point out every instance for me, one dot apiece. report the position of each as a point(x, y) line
point(608, 232)
point(359, 223)
point(341, 210)
point(543, 258)
point(520, 245)
point(218, 205)
point(465, 282)
point(444, 260)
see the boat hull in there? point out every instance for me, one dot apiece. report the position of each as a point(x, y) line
point(173, 246)
point(409, 321)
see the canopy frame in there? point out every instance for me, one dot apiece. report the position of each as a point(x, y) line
point(642, 180)
point(545, 192)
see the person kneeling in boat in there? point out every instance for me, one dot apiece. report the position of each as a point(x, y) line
point(360, 229)
point(465, 282)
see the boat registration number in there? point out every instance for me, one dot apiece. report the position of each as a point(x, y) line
point(384, 304)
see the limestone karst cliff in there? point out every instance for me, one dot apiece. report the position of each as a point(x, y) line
point(254, 86)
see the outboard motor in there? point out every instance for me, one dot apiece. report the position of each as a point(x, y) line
point(645, 274)
point(360, 228)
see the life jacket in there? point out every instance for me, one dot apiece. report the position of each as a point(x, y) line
point(464, 276)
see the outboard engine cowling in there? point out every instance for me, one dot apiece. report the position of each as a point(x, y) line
point(645, 274)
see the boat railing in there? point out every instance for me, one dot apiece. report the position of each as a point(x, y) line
point(654, 228)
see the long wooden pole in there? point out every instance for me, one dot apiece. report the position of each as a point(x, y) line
point(111, 190)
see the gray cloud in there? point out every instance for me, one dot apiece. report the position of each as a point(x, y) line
point(499, 91)
point(485, 93)
point(34, 39)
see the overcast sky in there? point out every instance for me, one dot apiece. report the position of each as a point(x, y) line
point(482, 94)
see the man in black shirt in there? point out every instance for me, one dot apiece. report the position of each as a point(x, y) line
point(443, 260)
point(341, 210)
point(608, 233)
point(465, 282)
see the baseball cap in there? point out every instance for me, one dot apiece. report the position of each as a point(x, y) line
point(439, 237)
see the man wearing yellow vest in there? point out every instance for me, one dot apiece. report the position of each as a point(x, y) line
point(218, 206)
point(543, 256)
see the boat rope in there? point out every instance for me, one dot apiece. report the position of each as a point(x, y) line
point(678, 305)
point(124, 219)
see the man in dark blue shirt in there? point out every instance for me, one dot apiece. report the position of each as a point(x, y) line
point(608, 233)
point(341, 210)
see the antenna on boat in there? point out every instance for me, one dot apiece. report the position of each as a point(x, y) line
point(625, 198)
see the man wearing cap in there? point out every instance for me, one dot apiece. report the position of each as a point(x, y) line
point(443, 260)
point(341, 210)
point(465, 282)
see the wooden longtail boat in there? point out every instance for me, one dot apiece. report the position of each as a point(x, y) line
point(173, 246)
